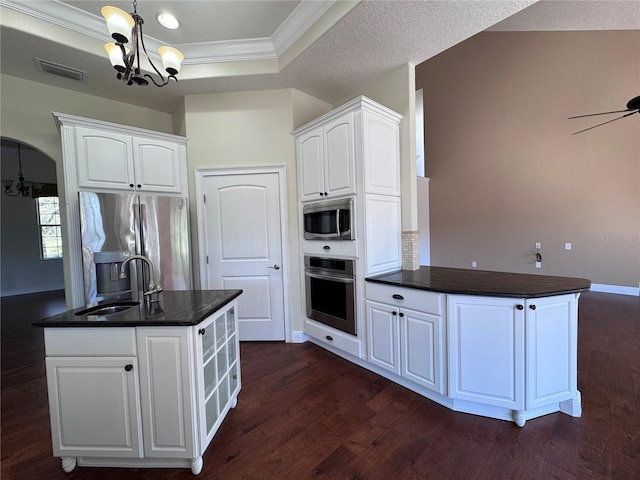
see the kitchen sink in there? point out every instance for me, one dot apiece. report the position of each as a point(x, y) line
point(107, 308)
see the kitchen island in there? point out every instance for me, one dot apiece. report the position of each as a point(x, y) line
point(497, 344)
point(133, 387)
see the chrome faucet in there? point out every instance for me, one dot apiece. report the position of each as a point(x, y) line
point(154, 288)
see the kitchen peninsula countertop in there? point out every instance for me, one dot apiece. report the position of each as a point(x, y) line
point(482, 282)
point(178, 308)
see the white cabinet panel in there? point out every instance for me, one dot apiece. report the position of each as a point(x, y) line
point(94, 406)
point(486, 350)
point(166, 386)
point(339, 157)
point(383, 330)
point(422, 347)
point(381, 148)
point(311, 165)
point(551, 350)
point(157, 165)
point(382, 224)
point(105, 159)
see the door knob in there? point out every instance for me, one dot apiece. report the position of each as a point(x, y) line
point(276, 267)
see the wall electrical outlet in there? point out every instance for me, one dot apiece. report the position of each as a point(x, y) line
point(538, 264)
point(567, 246)
point(537, 245)
point(474, 264)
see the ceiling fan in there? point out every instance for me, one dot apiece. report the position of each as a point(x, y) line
point(633, 106)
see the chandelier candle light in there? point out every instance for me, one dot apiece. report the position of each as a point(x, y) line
point(124, 27)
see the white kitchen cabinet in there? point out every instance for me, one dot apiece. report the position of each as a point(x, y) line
point(94, 406)
point(382, 233)
point(551, 350)
point(486, 350)
point(513, 353)
point(156, 401)
point(120, 161)
point(405, 341)
point(326, 160)
point(166, 385)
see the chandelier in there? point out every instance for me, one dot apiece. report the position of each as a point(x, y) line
point(20, 187)
point(125, 27)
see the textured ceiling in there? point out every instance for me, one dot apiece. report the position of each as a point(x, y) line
point(327, 49)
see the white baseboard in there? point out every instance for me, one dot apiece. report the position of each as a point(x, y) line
point(298, 336)
point(618, 289)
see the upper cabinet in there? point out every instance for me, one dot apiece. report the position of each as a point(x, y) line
point(116, 161)
point(326, 160)
point(359, 140)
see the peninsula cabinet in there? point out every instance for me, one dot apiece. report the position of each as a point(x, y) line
point(143, 396)
point(520, 354)
point(406, 334)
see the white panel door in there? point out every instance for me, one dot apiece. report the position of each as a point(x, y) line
point(94, 406)
point(486, 350)
point(383, 336)
point(551, 350)
point(166, 391)
point(244, 248)
point(422, 347)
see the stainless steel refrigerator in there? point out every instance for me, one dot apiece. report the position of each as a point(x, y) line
point(116, 226)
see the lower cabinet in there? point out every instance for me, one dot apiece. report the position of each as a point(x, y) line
point(146, 396)
point(507, 358)
point(405, 341)
point(513, 353)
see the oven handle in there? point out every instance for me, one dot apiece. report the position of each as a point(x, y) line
point(329, 276)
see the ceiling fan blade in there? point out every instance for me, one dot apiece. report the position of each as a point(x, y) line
point(604, 123)
point(601, 113)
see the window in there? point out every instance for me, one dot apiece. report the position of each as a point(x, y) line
point(50, 229)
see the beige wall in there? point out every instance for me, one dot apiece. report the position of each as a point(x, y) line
point(507, 173)
point(243, 129)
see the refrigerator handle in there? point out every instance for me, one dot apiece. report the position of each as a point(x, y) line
point(142, 225)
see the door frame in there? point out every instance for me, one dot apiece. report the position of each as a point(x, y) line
point(280, 170)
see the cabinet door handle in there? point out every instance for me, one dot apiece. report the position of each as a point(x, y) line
point(327, 247)
point(139, 186)
point(520, 307)
point(532, 307)
point(401, 314)
point(397, 296)
point(131, 185)
point(128, 367)
point(394, 313)
point(201, 331)
point(321, 194)
point(329, 337)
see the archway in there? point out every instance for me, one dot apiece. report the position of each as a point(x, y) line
point(30, 221)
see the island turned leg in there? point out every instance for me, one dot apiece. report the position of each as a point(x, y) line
point(519, 417)
point(196, 465)
point(69, 463)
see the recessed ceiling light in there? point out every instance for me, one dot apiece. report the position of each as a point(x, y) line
point(169, 21)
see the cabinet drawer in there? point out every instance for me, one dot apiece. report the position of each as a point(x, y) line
point(341, 248)
point(90, 342)
point(342, 341)
point(420, 300)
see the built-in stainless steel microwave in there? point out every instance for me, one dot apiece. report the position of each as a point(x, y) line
point(329, 220)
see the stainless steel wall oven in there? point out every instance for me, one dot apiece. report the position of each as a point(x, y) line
point(330, 292)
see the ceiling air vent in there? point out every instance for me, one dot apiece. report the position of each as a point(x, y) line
point(57, 69)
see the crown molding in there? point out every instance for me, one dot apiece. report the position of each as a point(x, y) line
point(72, 18)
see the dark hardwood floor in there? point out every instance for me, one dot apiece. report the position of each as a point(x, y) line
point(305, 413)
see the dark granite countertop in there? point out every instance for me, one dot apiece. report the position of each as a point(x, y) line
point(482, 282)
point(178, 308)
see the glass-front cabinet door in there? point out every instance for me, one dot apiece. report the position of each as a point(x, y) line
point(218, 369)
